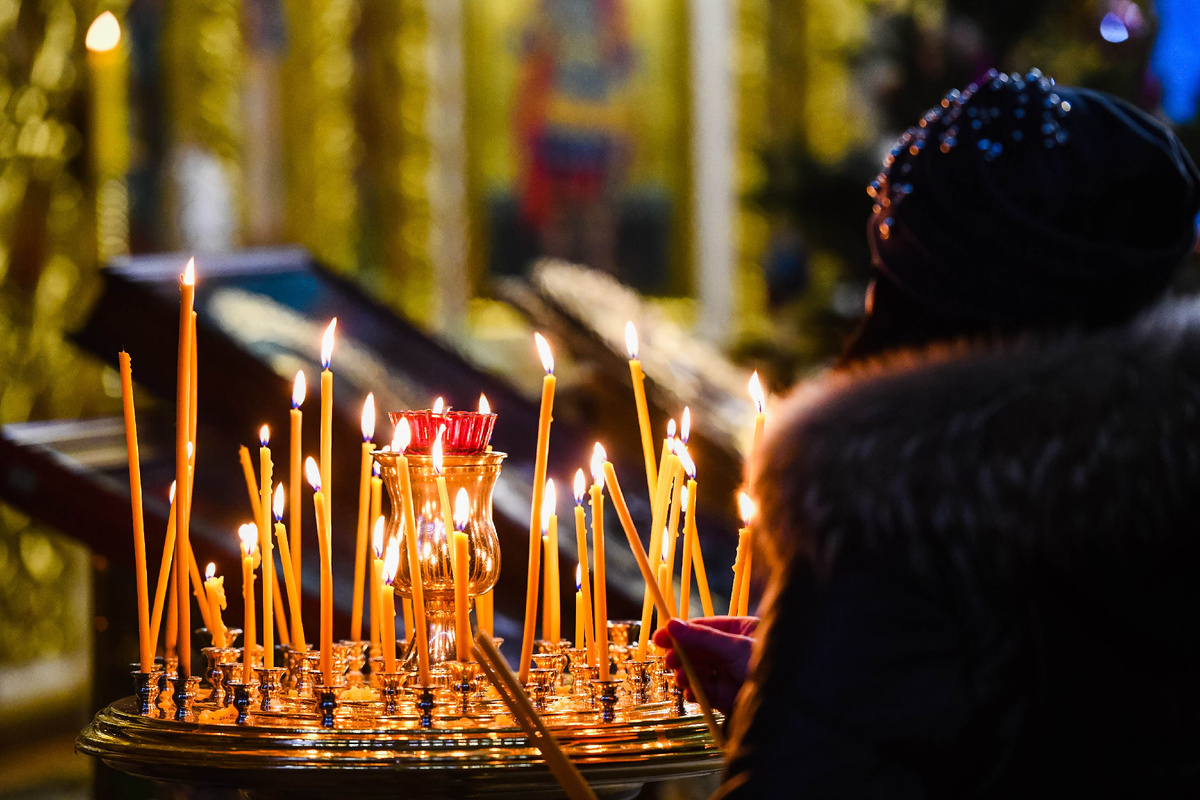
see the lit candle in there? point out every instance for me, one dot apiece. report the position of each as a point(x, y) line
point(214, 591)
point(485, 408)
point(643, 410)
point(677, 501)
point(323, 547)
point(420, 634)
point(145, 645)
point(377, 621)
point(376, 515)
point(443, 496)
point(364, 509)
point(256, 508)
point(299, 390)
point(580, 614)
point(439, 406)
point(691, 532)
point(327, 421)
point(658, 518)
point(600, 606)
point(745, 543)
point(550, 517)
point(289, 575)
point(198, 590)
point(685, 569)
point(387, 604)
point(376, 491)
point(582, 578)
point(266, 470)
point(662, 581)
point(108, 67)
point(187, 294)
point(462, 577)
point(535, 511)
point(756, 394)
point(249, 536)
point(164, 573)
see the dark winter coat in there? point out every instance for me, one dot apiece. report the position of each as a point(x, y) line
point(987, 569)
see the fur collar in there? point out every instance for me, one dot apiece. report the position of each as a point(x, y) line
point(1053, 448)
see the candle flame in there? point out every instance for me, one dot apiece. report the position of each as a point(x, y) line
point(402, 436)
point(191, 450)
point(746, 508)
point(756, 392)
point(484, 406)
point(683, 496)
point(580, 487)
point(462, 508)
point(547, 357)
point(189, 273)
point(439, 406)
point(391, 561)
point(299, 390)
point(435, 453)
point(598, 459)
point(248, 533)
point(327, 344)
point(375, 465)
point(666, 534)
point(671, 429)
point(579, 577)
point(368, 417)
point(264, 436)
point(377, 537)
point(103, 34)
point(685, 458)
point(549, 501)
point(313, 473)
point(277, 502)
point(631, 340)
point(171, 494)
point(210, 571)
point(685, 425)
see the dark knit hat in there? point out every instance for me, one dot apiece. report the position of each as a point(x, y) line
point(1019, 202)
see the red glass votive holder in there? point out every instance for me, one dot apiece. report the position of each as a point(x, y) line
point(466, 431)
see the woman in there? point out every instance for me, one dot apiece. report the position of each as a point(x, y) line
point(983, 526)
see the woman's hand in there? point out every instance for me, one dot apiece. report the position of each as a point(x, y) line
point(719, 649)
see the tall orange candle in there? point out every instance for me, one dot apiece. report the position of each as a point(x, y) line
point(583, 579)
point(552, 584)
point(187, 295)
point(377, 551)
point(296, 476)
point(485, 612)
point(420, 631)
point(266, 469)
point(376, 515)
point(437, 458)
point(214, 592)
point(462, 578)
point(581, 616)
point(327, 420)
point(691, 532)
point(164, 573)
point(145, 645)
point(745, 553)
point(364, 510)
point(289, 577)
point(643, 410)
point(387, 604)
point(658, 521)
point(324, 547)
point(249, 536)
point(600, 606)
point(535, 511)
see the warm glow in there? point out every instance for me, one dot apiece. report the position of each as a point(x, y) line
point(264, 436)
point(580, 487)
point(666, 534)
point(191, 450)
point(578, 577)
point(685, 425)
point(189, 273)
point(313, 473)
point(277, 502)
point(377, 537)
point(171, 494)
point(435, 452)
point(756, 393)
point(746, 508)
point(685, 458)
point(299, 390)
point(327, 344)
point(671, 429)
point(210, 571)
point(462, 508)
point(484, 406)
point(549, 501)
point(598, 459)
point(543, 348)
point(683, 496)
point(104, 34)
point(439, 406)
point(391, 561)
point(368, 417)
point(375, 465)
point(631, 340)
point(402, 436)
point(248, 533)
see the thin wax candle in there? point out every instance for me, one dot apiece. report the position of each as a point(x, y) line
point(364, 510)
point(535, 512)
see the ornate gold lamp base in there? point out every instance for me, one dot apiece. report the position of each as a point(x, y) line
point(483, 754)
